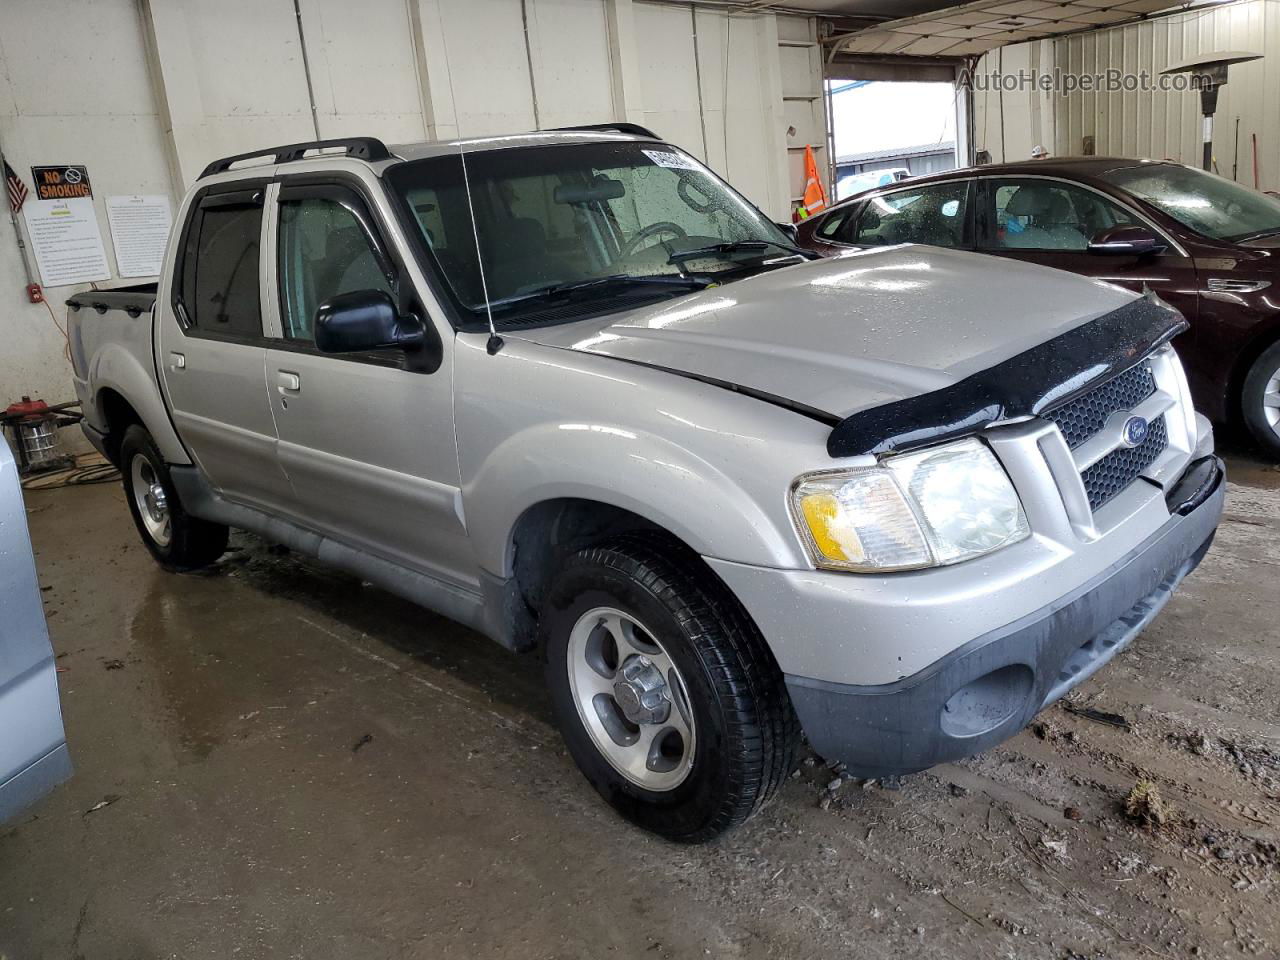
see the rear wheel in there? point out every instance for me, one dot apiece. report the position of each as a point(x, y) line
point(176, 539)
point(667, 697)
point(1260, 400)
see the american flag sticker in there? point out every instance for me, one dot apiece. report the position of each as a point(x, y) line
point(17, 189)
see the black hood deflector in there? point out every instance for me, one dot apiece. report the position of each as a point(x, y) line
point(1025, 385)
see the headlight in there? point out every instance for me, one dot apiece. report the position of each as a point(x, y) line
point(925, 509)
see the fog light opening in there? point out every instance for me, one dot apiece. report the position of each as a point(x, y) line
point(985, 703)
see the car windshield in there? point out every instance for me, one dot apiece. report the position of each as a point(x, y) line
point(1208, 204)
point(610, 222)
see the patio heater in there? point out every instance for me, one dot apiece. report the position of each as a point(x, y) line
point(1210, 73)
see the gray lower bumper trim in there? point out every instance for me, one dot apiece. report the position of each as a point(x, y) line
point(989, 689)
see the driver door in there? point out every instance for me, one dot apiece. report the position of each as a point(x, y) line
point(367, 444)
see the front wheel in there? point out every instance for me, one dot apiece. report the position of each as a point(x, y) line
point(667, 697)
point(1260, 400)
point(176, 539)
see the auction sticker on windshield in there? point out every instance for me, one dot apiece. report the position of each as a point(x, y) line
point(667, 158)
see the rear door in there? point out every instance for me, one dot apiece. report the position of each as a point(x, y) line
point(367, 444)
point(212, 348)
point(1050, 222)
point(33, 749)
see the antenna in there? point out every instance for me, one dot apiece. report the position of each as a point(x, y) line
point(495, 342)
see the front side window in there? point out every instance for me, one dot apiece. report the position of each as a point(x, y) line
point(1208, 204)
point(933, 214)
point(221, 295)
point(1032, 214)
point(601, 218)
point(325, 250)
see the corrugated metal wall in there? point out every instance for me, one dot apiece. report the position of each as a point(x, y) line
point(1167, 124)
point(1156, 124)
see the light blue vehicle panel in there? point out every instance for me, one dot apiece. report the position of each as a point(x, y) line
point(33, 747)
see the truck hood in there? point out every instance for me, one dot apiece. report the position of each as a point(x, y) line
point(852, 332)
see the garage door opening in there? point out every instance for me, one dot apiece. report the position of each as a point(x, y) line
point(884, 131)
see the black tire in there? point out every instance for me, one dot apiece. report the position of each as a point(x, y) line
point(747, 732)
point(192, 543)
point(1251, 400)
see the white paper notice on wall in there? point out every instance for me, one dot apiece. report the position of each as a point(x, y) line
point(139, 232)
point(66, 241)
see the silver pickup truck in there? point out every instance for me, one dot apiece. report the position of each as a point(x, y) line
point(573, 390)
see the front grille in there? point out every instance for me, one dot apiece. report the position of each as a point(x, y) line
point(1081, 418)
point(1119, 468)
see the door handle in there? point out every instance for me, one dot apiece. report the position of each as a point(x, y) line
point(288, 382)
point(177, 361)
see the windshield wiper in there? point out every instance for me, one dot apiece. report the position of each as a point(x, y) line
point(734, 246)
point(604, 284)
point(1258, 236)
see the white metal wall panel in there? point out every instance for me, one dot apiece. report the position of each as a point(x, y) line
point(669, 83)
point(251, 84)
point(363, 70)
point(797, 63)
point(569, 46)
point(733, 105)
point(804, 104)
point(1156, 124)
point(1165, 124)
point(795, 29)
point(488, 66)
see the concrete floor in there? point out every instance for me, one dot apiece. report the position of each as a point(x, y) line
point(298, 766)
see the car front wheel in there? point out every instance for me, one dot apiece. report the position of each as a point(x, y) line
point(1260, 400)
point(667, 696)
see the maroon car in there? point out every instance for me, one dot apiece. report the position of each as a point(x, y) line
point(1206, 245)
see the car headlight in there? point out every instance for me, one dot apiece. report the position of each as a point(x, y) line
point(926, 509)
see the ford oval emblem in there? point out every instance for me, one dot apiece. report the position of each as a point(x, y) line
point(1135, 431)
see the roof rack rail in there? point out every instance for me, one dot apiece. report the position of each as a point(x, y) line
point(632, 128)
point(362, 148)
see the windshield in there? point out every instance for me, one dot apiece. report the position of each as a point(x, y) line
point(1206, 203)
point(550, 219)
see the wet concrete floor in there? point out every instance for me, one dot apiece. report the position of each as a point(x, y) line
point(302, 767)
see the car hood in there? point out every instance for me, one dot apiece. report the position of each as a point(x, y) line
point(855, 331)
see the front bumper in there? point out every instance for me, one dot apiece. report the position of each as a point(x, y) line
point(990, 688)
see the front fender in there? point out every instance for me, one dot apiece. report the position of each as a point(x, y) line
point(706, 506)
point(115, 367)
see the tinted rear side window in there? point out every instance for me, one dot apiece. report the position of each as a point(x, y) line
point(224, 294)
point(831, 227)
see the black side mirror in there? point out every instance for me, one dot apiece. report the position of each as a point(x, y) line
point(790, 230)
point(365, 320)
point(1126, 241)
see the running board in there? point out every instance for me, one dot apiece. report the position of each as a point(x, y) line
point(446, 599)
